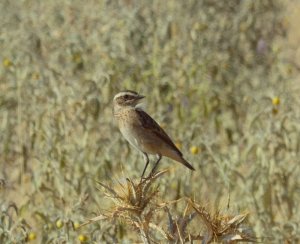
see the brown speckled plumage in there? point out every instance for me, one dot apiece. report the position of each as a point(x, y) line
point(141, 131)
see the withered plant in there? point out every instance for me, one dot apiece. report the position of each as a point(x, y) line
point(140, 206)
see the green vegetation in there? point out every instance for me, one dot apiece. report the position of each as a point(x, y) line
point(218, 76)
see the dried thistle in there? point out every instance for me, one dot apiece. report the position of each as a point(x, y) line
point(222, 228)
point(138, 204)
point(133, 202)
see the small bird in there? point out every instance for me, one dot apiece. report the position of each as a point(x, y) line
point(142, 132)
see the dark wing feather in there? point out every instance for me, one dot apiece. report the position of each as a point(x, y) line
point(150, 124)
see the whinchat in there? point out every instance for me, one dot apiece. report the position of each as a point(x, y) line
point(142, 132)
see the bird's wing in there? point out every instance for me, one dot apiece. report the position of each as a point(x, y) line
point(149, 124)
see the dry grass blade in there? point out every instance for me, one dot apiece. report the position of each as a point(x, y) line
point(92, 220)
point(237, 220)
point(179, 232)
point(160, 230)
point(109, 189)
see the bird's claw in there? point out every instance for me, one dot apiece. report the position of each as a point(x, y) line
point(150, 176)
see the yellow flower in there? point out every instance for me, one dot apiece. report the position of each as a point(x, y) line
point(76, 225)
point(194, 150)
point(7, 63)
point(276, 101)
point(59, 223)
point(31, 236)
point(82, 238)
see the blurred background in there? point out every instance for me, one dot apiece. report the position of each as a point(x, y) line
point(221, 77)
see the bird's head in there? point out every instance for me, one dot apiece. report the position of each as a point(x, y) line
point(127, 98)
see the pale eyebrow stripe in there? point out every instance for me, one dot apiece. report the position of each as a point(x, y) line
point(121, 94)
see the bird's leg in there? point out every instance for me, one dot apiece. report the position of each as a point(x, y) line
point(147, 162)
point(156, 164)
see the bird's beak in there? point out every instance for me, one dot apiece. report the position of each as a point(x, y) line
point(140, 97)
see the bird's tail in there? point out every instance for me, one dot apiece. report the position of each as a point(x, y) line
point(177, 156)
point(186, 164)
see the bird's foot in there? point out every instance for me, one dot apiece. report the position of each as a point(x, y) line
point(150, 176)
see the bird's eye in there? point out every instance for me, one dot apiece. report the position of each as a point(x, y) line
point(126, 97)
